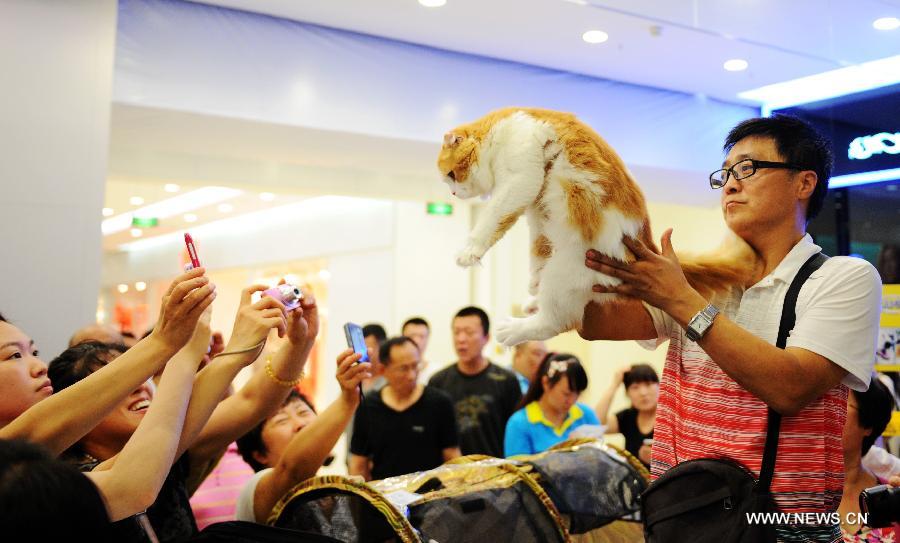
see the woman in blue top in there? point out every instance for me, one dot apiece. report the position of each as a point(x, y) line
point(548, 412)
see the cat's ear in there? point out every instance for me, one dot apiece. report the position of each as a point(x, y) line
point(452, 139)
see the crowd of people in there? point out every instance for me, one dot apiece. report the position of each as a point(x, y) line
point(118, 433)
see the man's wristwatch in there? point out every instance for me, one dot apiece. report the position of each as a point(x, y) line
point(701, 322)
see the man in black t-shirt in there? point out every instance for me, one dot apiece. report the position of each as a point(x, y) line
point(485, 395)
point(403, 427)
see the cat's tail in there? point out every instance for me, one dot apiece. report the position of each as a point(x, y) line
point(734, 263)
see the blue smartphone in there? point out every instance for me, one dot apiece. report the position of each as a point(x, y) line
point(356, 341)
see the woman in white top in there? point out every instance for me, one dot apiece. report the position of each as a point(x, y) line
point(294, 442)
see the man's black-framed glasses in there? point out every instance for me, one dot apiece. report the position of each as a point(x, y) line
point(744, 169)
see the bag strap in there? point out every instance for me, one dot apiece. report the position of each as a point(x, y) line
point(788, 319)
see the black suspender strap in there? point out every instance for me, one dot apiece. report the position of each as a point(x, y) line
point(788, 319)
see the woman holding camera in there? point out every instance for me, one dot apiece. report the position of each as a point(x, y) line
point(127, 486)
point(868, 414)
point(210, 425)
point(28, 410)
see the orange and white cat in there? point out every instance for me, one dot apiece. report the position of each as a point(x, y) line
point(576, 194)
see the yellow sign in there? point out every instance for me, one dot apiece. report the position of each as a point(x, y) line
point(890, 306)
point(893, 427)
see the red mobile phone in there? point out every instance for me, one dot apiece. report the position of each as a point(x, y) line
point(192, 251)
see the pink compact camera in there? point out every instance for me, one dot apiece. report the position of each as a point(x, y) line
point(289, 295)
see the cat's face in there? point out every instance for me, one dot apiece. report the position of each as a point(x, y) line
point(458, 155)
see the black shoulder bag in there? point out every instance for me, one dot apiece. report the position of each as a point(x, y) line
point(708, 499)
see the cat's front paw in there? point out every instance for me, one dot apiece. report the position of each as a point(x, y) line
point(509, 332)
point(468, 257)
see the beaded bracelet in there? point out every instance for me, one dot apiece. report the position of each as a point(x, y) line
point(281, 382)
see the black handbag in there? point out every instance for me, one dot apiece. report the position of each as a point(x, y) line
point(708, 499)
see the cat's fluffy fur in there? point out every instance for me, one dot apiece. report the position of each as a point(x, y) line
point(576, 194)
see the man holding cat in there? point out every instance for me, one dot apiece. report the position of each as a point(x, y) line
point(773, 181)
point(484, 394)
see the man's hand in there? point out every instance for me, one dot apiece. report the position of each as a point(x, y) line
point(182, 305)
point(655, 278)
point(253, 321)
point(350, 374)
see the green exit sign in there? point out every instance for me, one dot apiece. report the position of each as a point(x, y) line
point(144, 222)
point(439, 208)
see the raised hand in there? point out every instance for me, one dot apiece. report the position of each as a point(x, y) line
point(350, 373)
point(303, 322)
point(182, 305)
point(254, 320)
point(654, 277)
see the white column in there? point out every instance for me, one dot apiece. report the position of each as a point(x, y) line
point(55, 93)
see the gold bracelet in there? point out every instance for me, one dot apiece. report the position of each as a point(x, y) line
point(271, 373)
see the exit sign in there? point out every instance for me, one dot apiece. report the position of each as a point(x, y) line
point(439, 208)
point(144, 222)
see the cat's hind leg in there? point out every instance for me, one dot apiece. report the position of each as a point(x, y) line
point(565, 290)
point(540, 250)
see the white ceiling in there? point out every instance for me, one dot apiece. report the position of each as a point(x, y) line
point(671, 44)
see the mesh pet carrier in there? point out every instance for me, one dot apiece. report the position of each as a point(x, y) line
point(590, 482)
point(477, 499)
point(460, 502)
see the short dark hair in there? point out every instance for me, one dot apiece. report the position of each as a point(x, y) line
point(32, 483)
point(79, 361)
point(415, 320)
point(799, 143)
point(640, 373)
point(252, 442)
point(375, 329)
point(384, 351)
point(470, 311)
point(574, 372)
point(874, 408)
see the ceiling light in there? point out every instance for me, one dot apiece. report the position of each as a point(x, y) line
point(825, 85)
point(136, 232)
point(171, 187)
point(108, 211)
point(122, 288)
point(140, 286)
point(256, 221)
point(886, 23)
point(595, 36)
point(136, 201)
point(266, 196)
point(432, 3)
point(225, 208)
point(171, 207)
point(735, 65)
point(190, 217)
